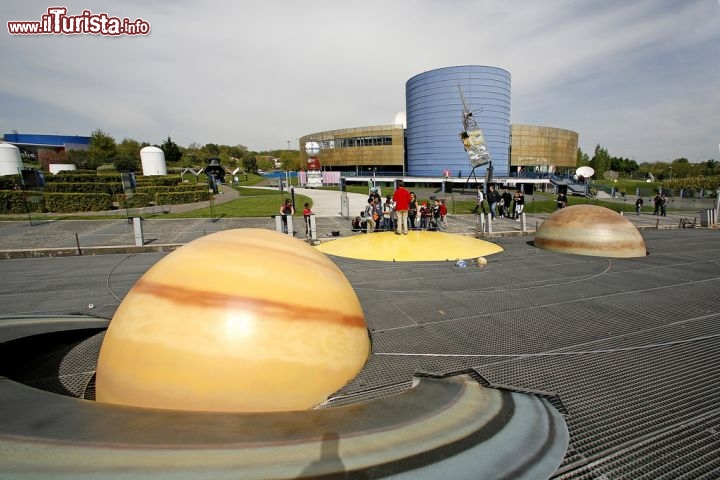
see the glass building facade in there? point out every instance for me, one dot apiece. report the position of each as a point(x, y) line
point(362, 147)
point(544, 149)
point(434, 119)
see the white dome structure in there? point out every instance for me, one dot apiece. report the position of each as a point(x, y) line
point(153, 161)
point(60, 167)
point(10, 161)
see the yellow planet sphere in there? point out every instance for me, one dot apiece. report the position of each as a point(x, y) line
point(244, 320)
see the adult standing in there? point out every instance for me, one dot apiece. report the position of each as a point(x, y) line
point(412, 210)
point(493, 200)
point(401, 197)
point(663, 205)
point(519, 201)
point(657, 201)
point(369, 211)
point(638, 205)
point(507, 199)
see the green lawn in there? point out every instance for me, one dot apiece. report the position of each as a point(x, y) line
point(252, 203)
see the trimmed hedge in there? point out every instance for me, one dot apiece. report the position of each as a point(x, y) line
point(138, 200)
point(177, 198)
point(154, 190)
point(111, 188)
point(165, 181)
point(13, 202)
point(72, 177)
point(77, 202)
point(9, 182)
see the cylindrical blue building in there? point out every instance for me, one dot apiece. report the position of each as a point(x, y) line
point(434, 119)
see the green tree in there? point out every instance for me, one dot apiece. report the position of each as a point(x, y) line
point(211, 149)
point(102, 148)
point(125, 164)
point(582, 158)
point(711, 166)
point(171, 150)
point(600, 161)
point(680, 167)
point(81, 159)
point(250, 165)
point(128, 148)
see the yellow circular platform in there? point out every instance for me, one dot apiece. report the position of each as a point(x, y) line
point(416, 246)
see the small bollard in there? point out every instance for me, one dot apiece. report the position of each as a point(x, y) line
point(523, 222)
point(279, 224)
point(137, 227)
point(313, 228)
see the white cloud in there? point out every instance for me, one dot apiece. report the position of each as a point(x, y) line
point(640, 77)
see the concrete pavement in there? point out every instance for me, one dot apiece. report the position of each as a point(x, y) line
point(19, 239)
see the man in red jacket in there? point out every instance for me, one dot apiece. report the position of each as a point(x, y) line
point(401, 197)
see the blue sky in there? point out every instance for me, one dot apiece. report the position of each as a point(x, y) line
point(641, 78)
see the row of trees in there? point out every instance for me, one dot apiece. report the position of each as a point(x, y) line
point(125, 155)
point(602, 162)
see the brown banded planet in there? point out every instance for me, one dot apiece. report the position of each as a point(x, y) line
point(590, 230)
point(245, 320)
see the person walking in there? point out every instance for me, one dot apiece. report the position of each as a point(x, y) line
point(493, 200)
point(402, 199)
point(480, 201)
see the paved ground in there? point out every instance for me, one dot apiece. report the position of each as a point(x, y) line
point(626, 349)
point(82, 235)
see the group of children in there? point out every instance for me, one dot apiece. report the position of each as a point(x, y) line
point(381, 216)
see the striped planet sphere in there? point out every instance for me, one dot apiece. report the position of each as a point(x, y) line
point(245, 320)
point(590, 230)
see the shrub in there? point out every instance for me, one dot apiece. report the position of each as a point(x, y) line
point(165, 181)
point(111, 188)
point(77, 202)
point(9, 182)
point(74, 177)
point(177, 198)
point(138, 200)
point(14, 202)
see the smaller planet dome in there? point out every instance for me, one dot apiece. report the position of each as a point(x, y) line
point(590, 230)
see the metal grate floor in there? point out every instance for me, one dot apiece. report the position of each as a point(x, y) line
point(626, 348)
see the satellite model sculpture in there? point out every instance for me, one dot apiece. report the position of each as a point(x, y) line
point(474, 143)
point(472, 137)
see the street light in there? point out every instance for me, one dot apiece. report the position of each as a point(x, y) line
point(670, 172)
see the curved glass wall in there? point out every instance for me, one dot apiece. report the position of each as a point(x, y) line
point(375, 146)
point(542, 148)
point(434, 119)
